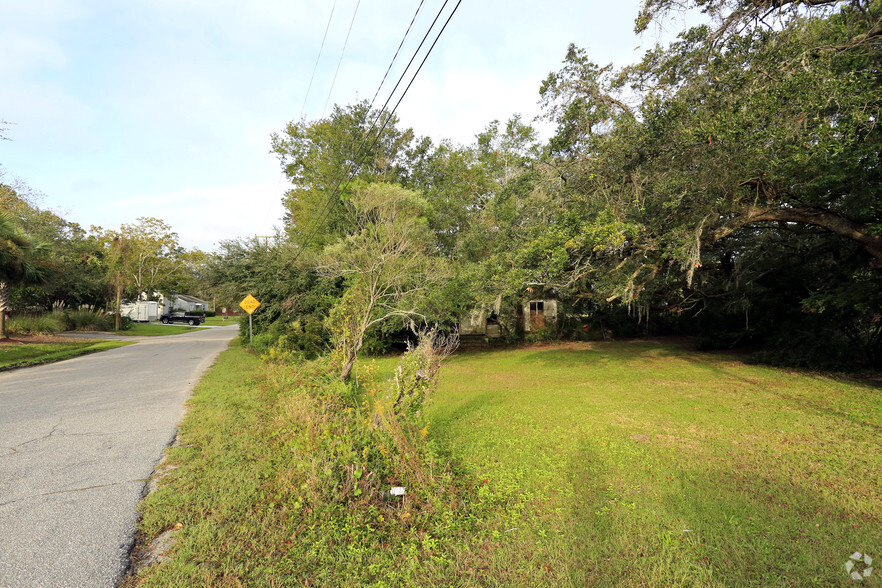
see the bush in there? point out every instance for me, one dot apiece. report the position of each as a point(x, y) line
point(210, 313)
point(34, 324)
point(306, 339)
point(87, 319)
point(542, 335)
point(364, 438)
point(384, 341)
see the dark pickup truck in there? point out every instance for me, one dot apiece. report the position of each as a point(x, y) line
point(190, 319)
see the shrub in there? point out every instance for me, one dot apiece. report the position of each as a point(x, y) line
point(32, 324)
point(88, 319)
point(287, 341)
point(365, 438)
point(542, 335)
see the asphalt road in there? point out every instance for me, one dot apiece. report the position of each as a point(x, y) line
point(78, 440)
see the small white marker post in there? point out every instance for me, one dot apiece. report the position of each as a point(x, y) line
point(249, 304)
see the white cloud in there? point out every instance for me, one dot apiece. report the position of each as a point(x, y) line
point(459, 105)
point(22, 53)
point(45, 13)
point(202, 216)
point(164, 108)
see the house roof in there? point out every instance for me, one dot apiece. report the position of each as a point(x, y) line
point(186, 298)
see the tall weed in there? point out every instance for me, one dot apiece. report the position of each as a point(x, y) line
point(87, 319)
point(349, 446)
point(36, 324)
point(83, 319)
point(284, 474)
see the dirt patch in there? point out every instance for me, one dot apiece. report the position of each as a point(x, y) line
point(568, 345)
point(33, 340)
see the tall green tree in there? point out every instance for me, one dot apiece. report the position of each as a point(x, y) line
point(77, 278)
point(19, 262)
point(733, 135)
point(681, 181)
point(294, 299)
point(141, 259)
point(319, 158)
point(152, 257)
point(389, 262)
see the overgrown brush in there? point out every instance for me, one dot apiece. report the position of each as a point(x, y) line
point(36, 324)
point(362, 439)
point(49, 323)
point(89, 319)
point(284, 473)
point(349, 446)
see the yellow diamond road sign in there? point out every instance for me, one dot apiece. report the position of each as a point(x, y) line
point(249, 304)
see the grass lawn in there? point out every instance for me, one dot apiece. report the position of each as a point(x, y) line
point(218, 321)
point(605, 464)
point(156, 330)
point(642, 464)
point(16, 356)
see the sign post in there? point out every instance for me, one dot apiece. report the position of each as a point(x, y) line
point(249, 304)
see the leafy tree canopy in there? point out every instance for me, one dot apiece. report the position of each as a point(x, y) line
point(740, 135)
point(320, 159)
point(389, 261)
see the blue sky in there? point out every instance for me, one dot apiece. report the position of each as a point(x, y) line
point(164, 108)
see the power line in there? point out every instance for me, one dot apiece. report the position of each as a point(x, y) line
point(326, 208)
point(392, 93)
point(407, 67)
point(358, 152)
point(346, 42)
point(400, 45)
point(400, 78)
point(315, 67)
point(332, 200)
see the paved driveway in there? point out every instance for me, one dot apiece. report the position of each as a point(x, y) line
point(78, 440)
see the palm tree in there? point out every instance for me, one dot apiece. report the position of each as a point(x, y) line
point(18, 262)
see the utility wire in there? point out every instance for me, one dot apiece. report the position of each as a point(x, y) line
point(354, 12)
point(315, 67)
point(349, 174)
point(392, 93)
point(400, 45)
point(358, 151)
point(331, 201)
point(368, 133)
point(404, 73)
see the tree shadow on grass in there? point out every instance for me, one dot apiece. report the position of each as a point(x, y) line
point(686, 523)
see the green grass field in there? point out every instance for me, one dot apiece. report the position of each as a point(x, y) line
point(218, 321)
point(156, 330)
point(606, 464)
point(643, 464)
point(17, 356)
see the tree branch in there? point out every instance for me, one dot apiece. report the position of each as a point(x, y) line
point(809, 215)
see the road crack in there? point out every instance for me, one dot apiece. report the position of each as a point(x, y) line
point(54, 432)
point(141, 480)
point(35, 440)
point(73, 490)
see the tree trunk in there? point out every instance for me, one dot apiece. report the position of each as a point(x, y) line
point(351, 354)
point(118, 319)
point(4, 304)
point(348, 364)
